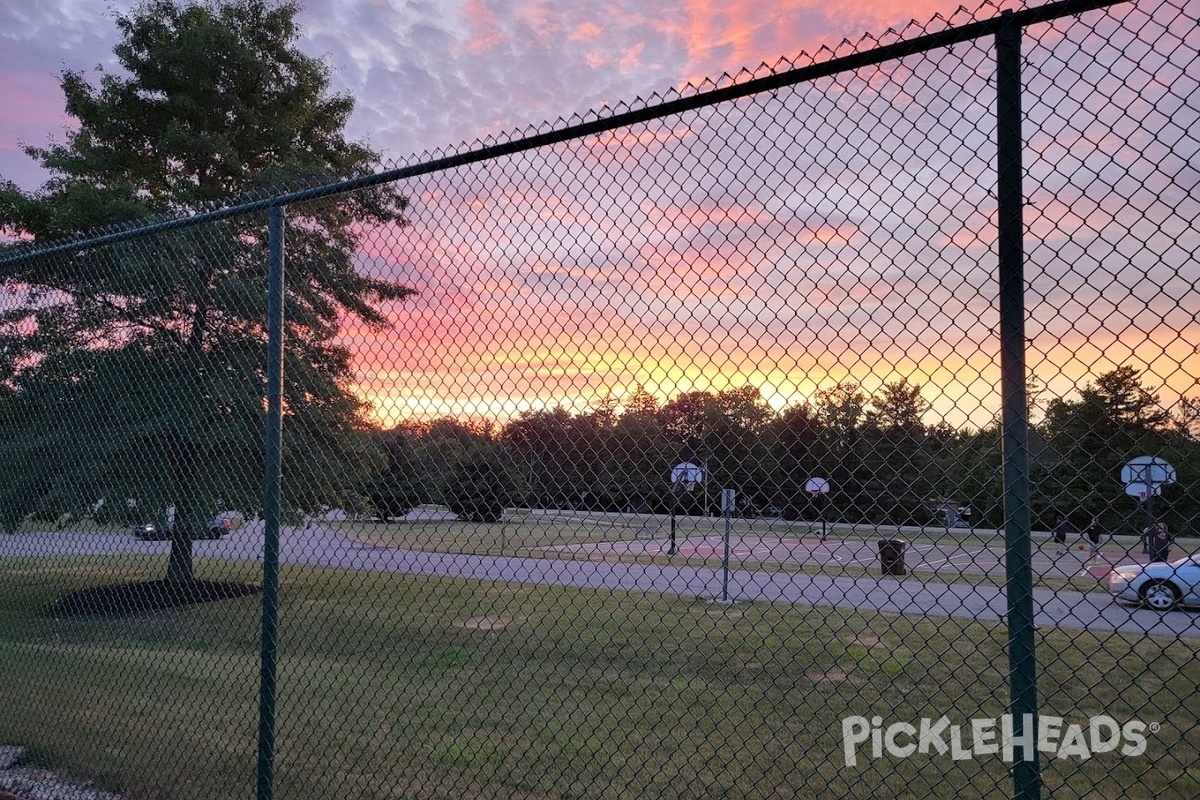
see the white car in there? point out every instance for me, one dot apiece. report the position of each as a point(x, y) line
point(1161, 586)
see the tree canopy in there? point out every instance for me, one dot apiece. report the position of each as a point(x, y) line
point(153, 351)
point(886, 459)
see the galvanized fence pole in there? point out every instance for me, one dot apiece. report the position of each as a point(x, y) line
point(273, 444)
point(1015, 413)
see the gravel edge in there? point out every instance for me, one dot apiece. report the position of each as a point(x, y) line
point(35, 783)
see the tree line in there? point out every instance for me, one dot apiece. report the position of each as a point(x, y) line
point(885, 463)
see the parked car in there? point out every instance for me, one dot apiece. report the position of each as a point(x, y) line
point(219, 526)
point(1160, 585)
point(152, 531)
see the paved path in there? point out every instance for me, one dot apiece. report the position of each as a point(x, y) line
point(321, 546)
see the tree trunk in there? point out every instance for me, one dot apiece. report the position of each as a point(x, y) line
point(188, 515)
point(179, 567)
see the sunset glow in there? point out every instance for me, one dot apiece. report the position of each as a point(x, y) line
point(840, 230)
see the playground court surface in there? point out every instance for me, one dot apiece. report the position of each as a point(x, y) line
point(943, 559)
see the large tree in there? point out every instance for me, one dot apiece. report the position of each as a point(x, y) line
point(897, 475)
point(1114, 419)
point(395, 491)
point(151, 353)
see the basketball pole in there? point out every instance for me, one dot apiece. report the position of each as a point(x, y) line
point(727, 504)
point(821, 511)
point(674, 503)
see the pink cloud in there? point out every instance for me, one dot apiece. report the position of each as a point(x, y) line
point(585, 30)
point(632, 57)
point(625, 139)
point(544, 18)
point(482, 26)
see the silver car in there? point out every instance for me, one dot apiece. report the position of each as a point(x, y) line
point(1161, 585)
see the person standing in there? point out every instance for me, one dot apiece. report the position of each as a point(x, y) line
point(1159, 542)
point(1092, 534)
point(1060, 533)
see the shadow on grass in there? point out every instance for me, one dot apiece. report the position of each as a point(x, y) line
point(131, 599)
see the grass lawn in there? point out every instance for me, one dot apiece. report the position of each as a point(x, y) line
point(399, 686)
point(522, 532)
point(526, 531)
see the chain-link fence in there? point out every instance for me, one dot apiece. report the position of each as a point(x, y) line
point(785, 436)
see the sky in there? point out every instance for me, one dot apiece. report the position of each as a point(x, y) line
point(842, 230)
point(430, 75)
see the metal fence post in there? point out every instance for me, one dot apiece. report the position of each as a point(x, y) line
point(1017, 518)
point(273, 442)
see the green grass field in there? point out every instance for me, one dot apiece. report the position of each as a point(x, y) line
point(523, 533)
point(397, 686)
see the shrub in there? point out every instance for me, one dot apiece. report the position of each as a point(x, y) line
point(480, 488)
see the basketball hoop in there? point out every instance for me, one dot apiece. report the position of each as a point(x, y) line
point(685, 476)
point(1141, 491)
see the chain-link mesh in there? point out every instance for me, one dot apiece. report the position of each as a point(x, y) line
point(678, 473)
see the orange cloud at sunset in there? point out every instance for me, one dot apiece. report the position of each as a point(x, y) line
point(744, 36)
point(843, 230)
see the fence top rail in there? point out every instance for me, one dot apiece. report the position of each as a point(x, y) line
point(1020, 19)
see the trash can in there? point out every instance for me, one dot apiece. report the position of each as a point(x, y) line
point(891, 556)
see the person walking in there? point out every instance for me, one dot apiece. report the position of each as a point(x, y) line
point(1060, 533)
point(1092, 536)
